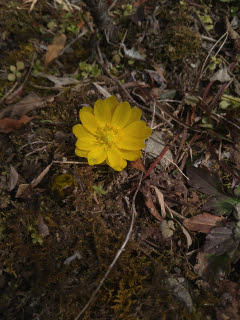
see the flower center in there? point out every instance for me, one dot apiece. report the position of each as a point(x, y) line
point(107, 136)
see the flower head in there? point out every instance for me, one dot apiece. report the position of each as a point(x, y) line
point(111, 132)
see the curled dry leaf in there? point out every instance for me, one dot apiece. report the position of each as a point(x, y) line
point(138, 164)
point(149, 203)
point(42, 227)
point(55, 48)
point(160, 201)
point(26, 190)
point(8, 125)
point(202, 222)
point(27, 104)
point(13, 178)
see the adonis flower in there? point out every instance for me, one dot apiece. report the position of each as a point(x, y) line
point(111, 132)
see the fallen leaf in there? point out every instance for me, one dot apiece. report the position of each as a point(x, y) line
point(13, 179)
point(37, 180)
point(8, 125)
point(138, 164)
point(149, 203)
point(24, 191)
point(221, 75)
point(102, 90)
point(27, 104)
point(202, 222)
point(42, 227)
point(222, 240)
point(160, 201)
point(204, 181)
point(76, 255)
point(59, 82)
point(55, 48)
point(187, 235)
point(211, 267)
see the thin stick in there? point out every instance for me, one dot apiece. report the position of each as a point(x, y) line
point(134, 214)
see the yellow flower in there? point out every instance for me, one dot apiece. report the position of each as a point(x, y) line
point(111, 132)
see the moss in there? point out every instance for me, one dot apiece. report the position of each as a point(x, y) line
point(63, 184)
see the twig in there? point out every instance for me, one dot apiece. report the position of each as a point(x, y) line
point(134, 214)
point(112, 5)
point(72, 42)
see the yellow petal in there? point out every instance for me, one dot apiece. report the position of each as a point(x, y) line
point(112, 103)
point(85, 109)
point(115, 159)
point(135, 115)
point(89, 121)
point(96, 156)
point(103, 113)
point(79, 131)
point(131, 143)
point(121, 115)
point(81, 153)
point(87, 143)
point(137, 129)
point(131, 155)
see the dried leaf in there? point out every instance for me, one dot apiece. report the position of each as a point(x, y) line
point(138, 164)
point(55, 48)
point(221, 75)
point(187, 235)
point(27, 104)
point(59, 82)
point(13, 179)
point(102, 90)
point(202, 222)
point(42, 227)
point(204, 181)
point(76, 255)
point(211, 267)
point(24, 191)
point(8, 125)
point(160, 201)
point(149, 203)
point(37, 180)
point(221, 240)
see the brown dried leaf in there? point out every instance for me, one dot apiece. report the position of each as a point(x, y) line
point(28, 103)
point(24, 191)
point(149, 203)
point(187, 235)
point(42, 227)
point(202, 222)
point(8, 125)
point(160, 201)
point(138, 164)
point(37, 180)
point(55, 48)
point(13, 179)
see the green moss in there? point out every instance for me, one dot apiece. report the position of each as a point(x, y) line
point(63, 185)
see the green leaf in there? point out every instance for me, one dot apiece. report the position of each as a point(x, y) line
point(191, 100)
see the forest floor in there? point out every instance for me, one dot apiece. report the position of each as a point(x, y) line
point(62, 222)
